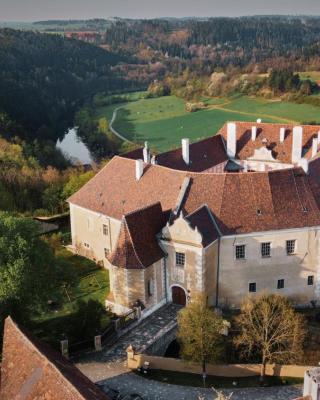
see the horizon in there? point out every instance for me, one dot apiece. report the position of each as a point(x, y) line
point(68, 10)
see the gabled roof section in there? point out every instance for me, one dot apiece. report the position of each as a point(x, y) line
point(137, 246)
point(269, 135)
point(114, 191)
point(203, 155)
point(32, 370)
point(203, 221)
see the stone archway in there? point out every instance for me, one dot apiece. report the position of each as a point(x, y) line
point(178, 296)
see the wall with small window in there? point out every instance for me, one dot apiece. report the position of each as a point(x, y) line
point(97, 230)
point(282, 262)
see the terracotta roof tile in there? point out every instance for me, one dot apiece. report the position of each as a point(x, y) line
point(203, 221)
point(137, 246)
point(271, 133)
point(114, 191)
point(32, 370)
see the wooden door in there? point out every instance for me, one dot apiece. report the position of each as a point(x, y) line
point(178, 296)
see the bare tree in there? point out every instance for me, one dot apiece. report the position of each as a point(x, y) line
point(270, 328)
point(199, 333)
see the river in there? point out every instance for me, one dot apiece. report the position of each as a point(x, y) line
point(74, 148)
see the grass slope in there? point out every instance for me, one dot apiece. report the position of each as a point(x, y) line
point(163, 121)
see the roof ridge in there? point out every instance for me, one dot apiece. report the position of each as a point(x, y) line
point(46, 359)
point(133, 246)
point(141, 209)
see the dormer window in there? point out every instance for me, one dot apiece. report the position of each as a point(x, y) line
point(259, 212)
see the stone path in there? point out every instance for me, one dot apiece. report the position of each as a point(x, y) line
point(154, 390)
point(109, 368)
point(112, 362)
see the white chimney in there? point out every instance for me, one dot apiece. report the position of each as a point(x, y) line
point(153, 160)
point(139, 169)
point(314, 146)
point(297, 144)
point(282, 134)
point(146, 153)
point(185, 150)
point(253, 133)
point(231, 139)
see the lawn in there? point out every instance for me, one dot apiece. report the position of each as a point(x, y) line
point(163, 121)
point(187, 379)
point(83, 280)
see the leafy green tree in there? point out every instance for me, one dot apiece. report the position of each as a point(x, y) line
point(103, 125)
point(27, 267)
point(75, 182)
point(200, 333)
point(270, 329)
point(87, 320)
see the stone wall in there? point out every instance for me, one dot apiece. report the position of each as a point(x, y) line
point(228, 370)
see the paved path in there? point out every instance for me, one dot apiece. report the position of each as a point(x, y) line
point(112, 129)
point(154, 390)
point(112, 362)
point(109, 368)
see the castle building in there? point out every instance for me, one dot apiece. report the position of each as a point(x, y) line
point(229, 216)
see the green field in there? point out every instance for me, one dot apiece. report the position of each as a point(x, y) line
point(163, 121)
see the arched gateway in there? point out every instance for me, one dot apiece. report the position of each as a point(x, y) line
point(178, 296)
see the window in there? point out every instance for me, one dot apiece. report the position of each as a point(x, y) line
point(266, 249)
point(106, 252)
point(241, 252)
point(150, 287)
point(180, 259)
point(87, 245)
point(105, 229)
point(291, 247)
point(310, 280)
point(252, 287)
point(90, 224)
point(280, 284)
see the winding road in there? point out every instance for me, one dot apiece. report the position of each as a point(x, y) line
point(113, 130)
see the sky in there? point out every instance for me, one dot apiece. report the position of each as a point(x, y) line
point(33, 10)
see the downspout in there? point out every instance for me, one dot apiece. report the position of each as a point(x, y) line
point(218, 270)
point(165, 278)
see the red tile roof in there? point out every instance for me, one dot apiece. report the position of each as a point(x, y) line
point(203, 221)
point(271, 134)
point(239, 202)
point(32, 370)
point(114, 191)
point(137, 246)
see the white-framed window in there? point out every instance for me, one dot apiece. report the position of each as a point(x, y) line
point(105, 229)
point(280, 284)
point(150, 287)
point(180, 259)
point(252, 287)
point(240, 251)
point(266, 249)
point(310, 280)
point(291, 246)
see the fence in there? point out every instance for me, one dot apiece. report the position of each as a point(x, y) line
point(106, 338)
point(227, 370)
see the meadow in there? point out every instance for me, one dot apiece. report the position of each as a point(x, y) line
point(163, 121)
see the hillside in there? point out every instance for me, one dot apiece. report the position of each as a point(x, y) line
point(44, 78)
